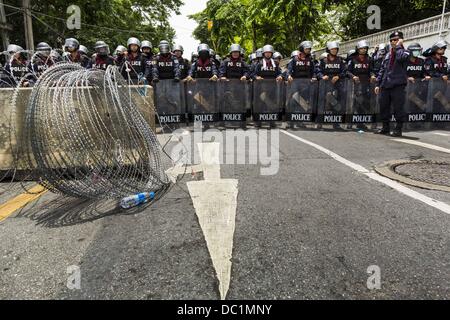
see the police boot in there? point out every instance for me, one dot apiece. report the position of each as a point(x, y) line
point(398, 130)
point(385, 130)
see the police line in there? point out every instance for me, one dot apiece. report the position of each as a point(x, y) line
point(299, 101)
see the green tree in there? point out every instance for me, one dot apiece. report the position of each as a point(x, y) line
point(113, 21)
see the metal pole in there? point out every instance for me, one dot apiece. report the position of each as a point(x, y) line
point(3, 26)
point(442, 18)
point(28, 23)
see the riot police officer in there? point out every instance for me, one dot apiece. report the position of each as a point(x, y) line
point(391, 84)
point(17, 67)
point(332, 68)
point(215, 58)
point(234, 67)
point(194, 57)
point(359, 70)
point(415, 66)
point(134, 67)
point(267, 68)
point(147, 54)
point(166, 65)
point(436, 63)
point(204, 67)
point(102, 58)
point(120, 54)
point(41, 61)
point(184, 64)
point(302, 64)
point(277, 57)
point(378, 59)
point(83, 51)
point(71, 47)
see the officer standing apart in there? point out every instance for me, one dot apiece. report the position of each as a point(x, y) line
point(391, 84)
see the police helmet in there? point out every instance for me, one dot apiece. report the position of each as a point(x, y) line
point(295, 53)
point(305, 45)
point(332, 45)
point(146, 44)
point(259, 53)
point(277, 55)
point(101, 48)
point(133, 40)
point(164, 47)
point(178, 47)
point(203, 47)
point(72, 43)
point(268, 48)
point(441, 44)
point(83, 50)
point(362, 44)
point(235, 48)
point(120, 49)
point(12, 48)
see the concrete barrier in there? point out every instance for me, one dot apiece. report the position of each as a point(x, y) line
point(7, 136)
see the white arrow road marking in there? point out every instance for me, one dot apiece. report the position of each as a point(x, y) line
point(215, 203)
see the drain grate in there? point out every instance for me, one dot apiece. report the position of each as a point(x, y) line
point(426, 174)
point(426, 171)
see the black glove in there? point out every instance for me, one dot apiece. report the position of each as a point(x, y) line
point(176, 80)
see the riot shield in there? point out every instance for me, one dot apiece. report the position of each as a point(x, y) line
point(169, 101)
point(361, 102)
point(233, 98)
point(332, 102)
point(438, 107)
point(416, 100)
point(301, 100)
point(201, 97)
point(267, 101)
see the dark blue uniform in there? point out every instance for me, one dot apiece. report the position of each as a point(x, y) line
point(203, 69)
point(300, 67)
point(392, 80)
point(234, 69)
point(166, 67)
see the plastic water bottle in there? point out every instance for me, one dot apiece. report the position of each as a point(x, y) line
point(137, 200)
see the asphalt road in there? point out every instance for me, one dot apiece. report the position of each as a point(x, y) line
point(308, 232)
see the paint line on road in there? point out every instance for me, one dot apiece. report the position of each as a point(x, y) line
point(423, 144)
point(441, 134)
point(442, 206)
point(11, 206)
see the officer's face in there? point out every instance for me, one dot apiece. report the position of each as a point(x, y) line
point(394, 41)
point(134, 48)
point(362, 51)
point(441, 51)
point(268, 55)
point(146, 50)
point(178, 53)
point(307, 51)
point(334, 52)
point(235, 55)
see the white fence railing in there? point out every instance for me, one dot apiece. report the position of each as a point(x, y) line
point(420, 29)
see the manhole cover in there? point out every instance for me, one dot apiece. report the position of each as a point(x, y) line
point(434, 173)
point(426, 174)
